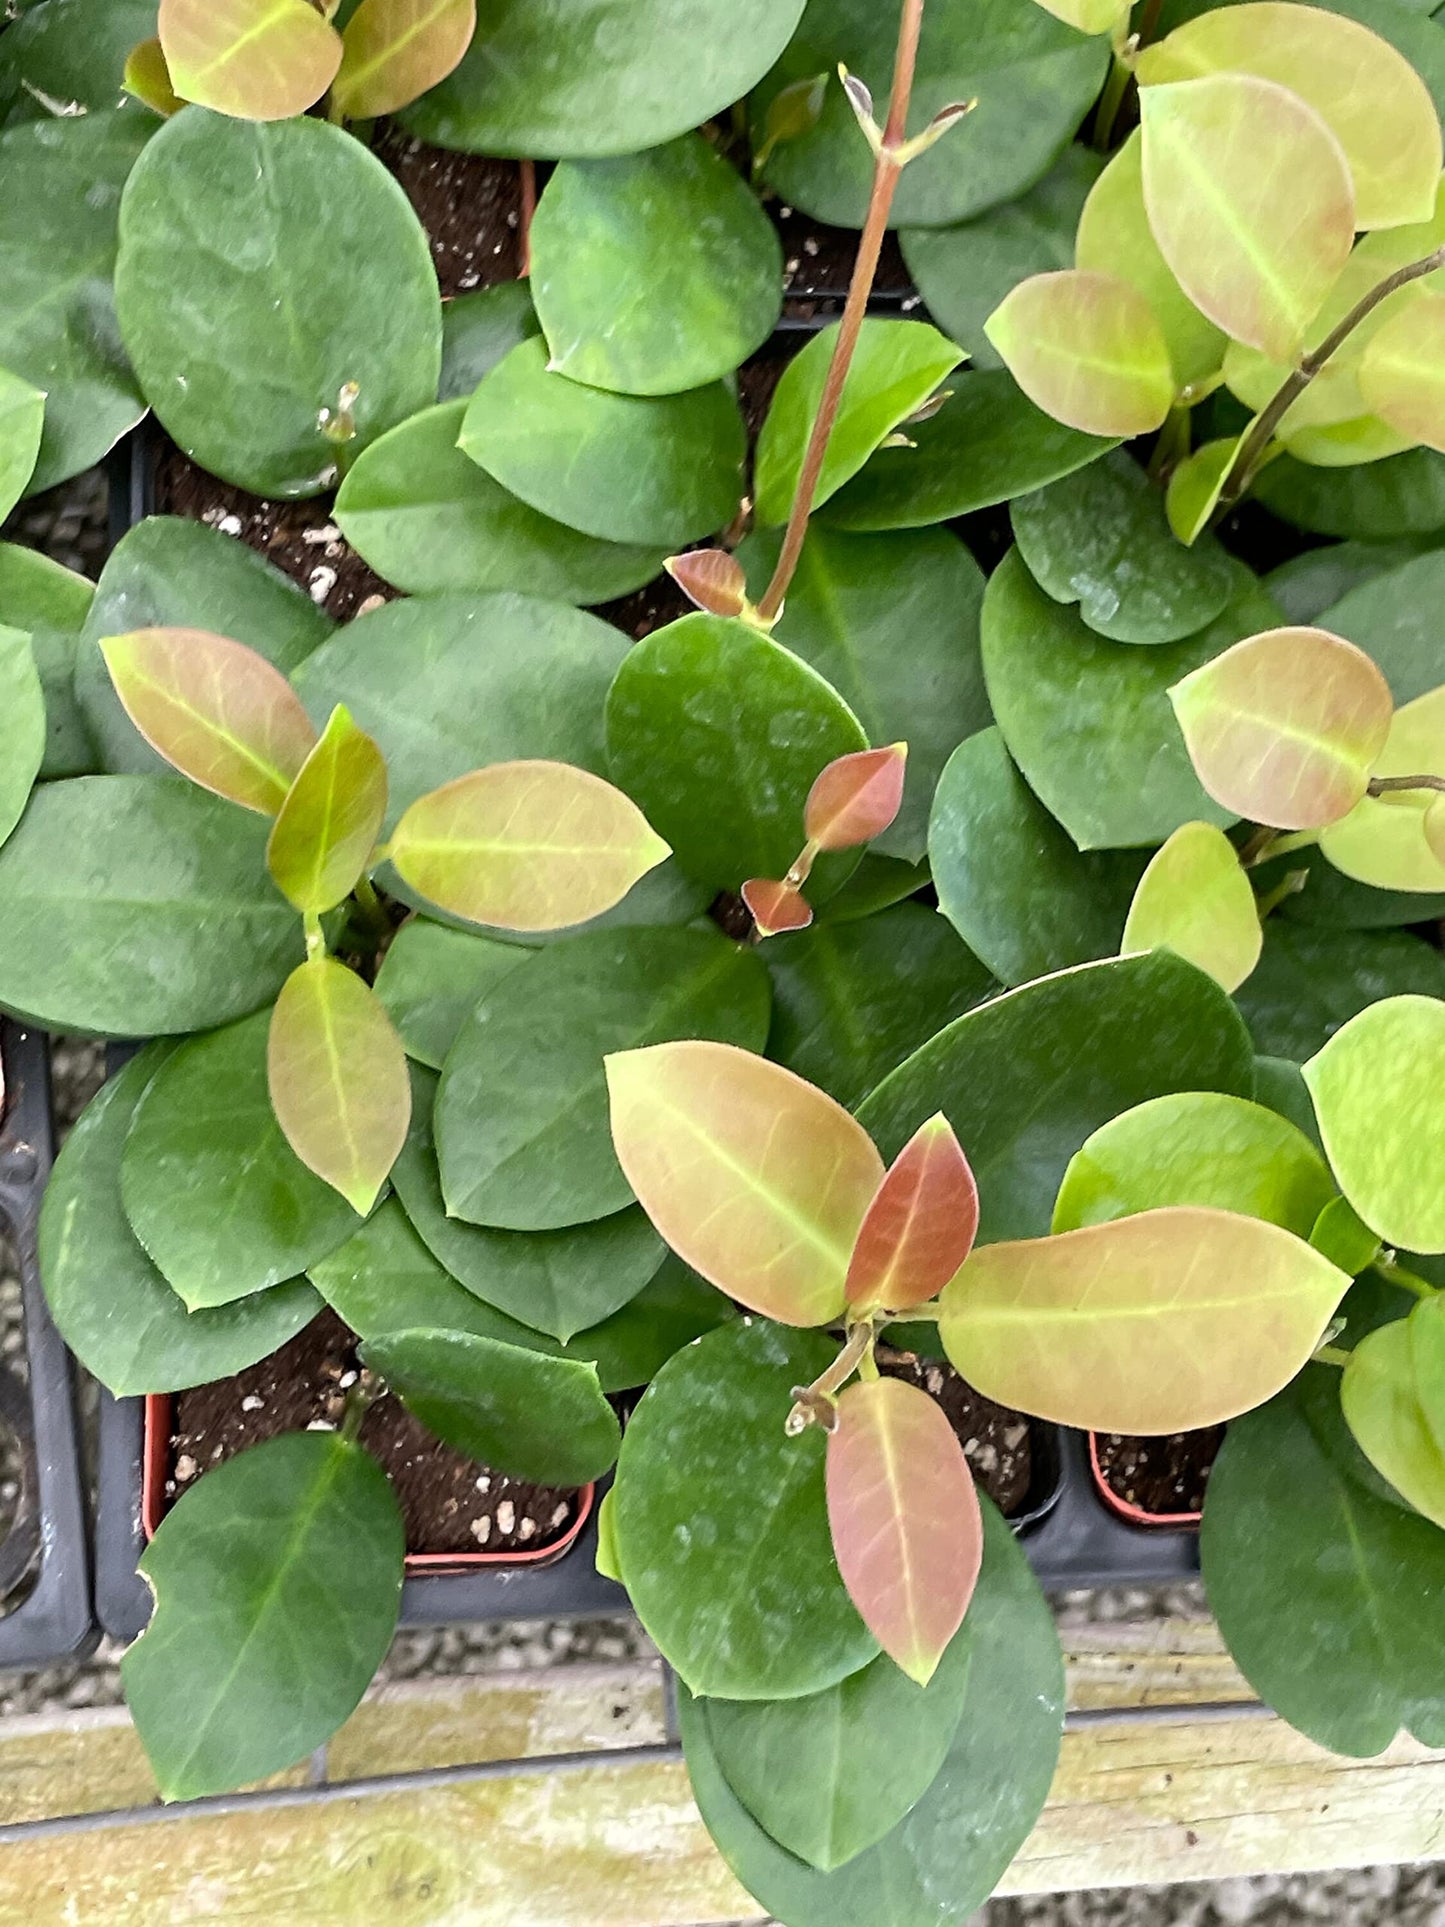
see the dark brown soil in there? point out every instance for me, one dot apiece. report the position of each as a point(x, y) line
point(1160, 1475)
point(818, 264)
point(997, 1442)
point(450, 1503)
point(469, 205)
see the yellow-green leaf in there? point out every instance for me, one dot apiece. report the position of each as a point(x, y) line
point(1195, 897)
point(1089, 16)
point(1195, 487)
point(22, 421)
point(338, 1079)
point(757, 1179)
point(1393, 1396)
point(216, 710)
point(393, 51)
point(1087, 349)
point(149, 78)
point(525, 846)
point(1285, 726)
point(1250, 201)
point(328, 825)
point(1402, 373)
point(1367, 94)
point(1385, 840)
point(1163, 1322)
point(1435, 829)
point(253, 59)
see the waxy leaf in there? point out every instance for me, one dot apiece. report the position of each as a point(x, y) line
point(255, 59)
point(394, 50)
point(1402, 495)
point(525, 846)
point(431, 978)
point(856, 797)
point(1164, 1322)
point(1393, 1396)
point(1377, 1092)
point(1435, 829)
point(756, 1179)
point(478, 329)
point(1089, 16)
point(535, 1417)
point(338, 1079)
point(214, 709)
point(149, 78)
point(69, 56)
point(1367, 94)
point(1285, 726)
point(22, 725)
point(776, 907)
point(1195, 897)
point(1087, 350)
point(326, 829)
point(1400, 374)
point(1310, 981)
point(22, 419)
point(905, 1521)
point(713, 579)
point(277, 1582)
point(1196, 486)
point(1385, 840)
point(1345, 1239)
point(1250, 201)
point(920, 1226)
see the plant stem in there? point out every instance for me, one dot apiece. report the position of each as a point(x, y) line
point(1396, 1274)
point(886, 169)
point(1387, 785)
point(1260, 433)
point(529, 208)
point(813, 1404)
point(315, 936)
point(1110, 101)
point(359, 1400)
point(1277, 844)
point(371, 906)
point(1288, 886)
point(1331, 1355)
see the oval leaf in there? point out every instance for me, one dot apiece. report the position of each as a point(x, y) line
point(1195, 897)
point(907, 1530)
point(525, 846)
point(216, 710)
point(1401, 376)
point(149, 78)
point(1385, 840)
point(757, 1179)
point(1087, 350)
point(775, 907)
point(323, 837)
point(1164, 1322)
point(1393, 1396)
point(856, 797)
point(338, 1079)
point(394, 50)
point(1285, 726)
point(920, 1226)
point(254, 59)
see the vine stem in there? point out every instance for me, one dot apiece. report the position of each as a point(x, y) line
point(1331, 1355)
point(813, 1404)
point(1387, 785)
point(1396, 1274)
point(887, 167)
point(528, 171)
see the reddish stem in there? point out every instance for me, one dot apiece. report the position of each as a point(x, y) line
point(529, 208)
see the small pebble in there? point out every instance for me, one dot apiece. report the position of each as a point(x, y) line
point(321, 1425)
point(327, 534)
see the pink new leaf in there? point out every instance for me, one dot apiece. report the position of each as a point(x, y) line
point(776, 907)
point(711, 578)
point(856, 797)
point(920, 1226)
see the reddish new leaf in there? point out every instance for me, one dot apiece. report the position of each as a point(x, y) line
point(217, 711)
point(920, 1226)
point(856, 797)
point(907, 1531)
point(711, 578)
point(775, 906)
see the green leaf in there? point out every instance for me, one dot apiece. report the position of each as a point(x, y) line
point(945, 1859)
point(828, 1775)
point(1385, 840)
point(852, 1000)
point(662, 469)
point(896, 366)
point(477, 330)
point(1196, 1148)
point(327, 826)
point(1344, 1238)
point(656, 272)
point(22, 725)
point(558, 1282)
point(338, 1079)
point(69, 750)
point(1309, 982)
point(395, 50)
point(963, 272)
point(430, 522)
point(218, 1199)
point(692, 735)
point(1402, 495)
point(114, 1309)
point(1034, 80)
point(289, 325)
point(1012, 883)
point(559, 78)
point(166, 573)
point(538, 1418)
point(147, 77)
point(989, 444)
point(1087, 349)
point(277, 1587)
point(432, 977)
point(57, 250)
point(1089, 722)
point(1376, 1091)
point(1394, 618)
point(36, 591)
point(22, 418)
point(1099, 538)
point(259, 59)
point(851, 599)
point(1196, 486)
point(1393, 1397)
point(1333, 901)
point(1279, 1085)
point(752, 1607)
point(136, 905)
point(877, 884)
point(68, 51)
point(1196, 898)
point(1308, 584)
point(1288, 1518)
point(1025, 1079)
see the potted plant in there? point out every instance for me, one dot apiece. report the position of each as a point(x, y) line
point(1142, 1135)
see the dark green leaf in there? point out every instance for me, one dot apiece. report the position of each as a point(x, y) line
point(656, 272)
point(429, 521)
point(877, 884)
point(22, 417)
point(69, 750)
point(693, 737)
point(213, 1191)
point(114, 1309)
point(851, 600)
point(431, 978)
point(136, 905)
point(722, 1525)
point(1279, 1084)
point(1395, 618)
point(521, 1114)
point(477, 330)
point(950, 1853)
point(1309, 982)
point(1308, 584)
point(664, 469)
point(22, 725)
point(1374, 501)
point(69, 54)
point(1010, 880)
point(35, 591)
point(1025, 1079)
point(277, 1584)
point(988, 444)
point(532, 1416)
point(289, 322)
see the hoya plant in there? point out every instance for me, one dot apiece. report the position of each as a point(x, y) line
point(835, 867)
